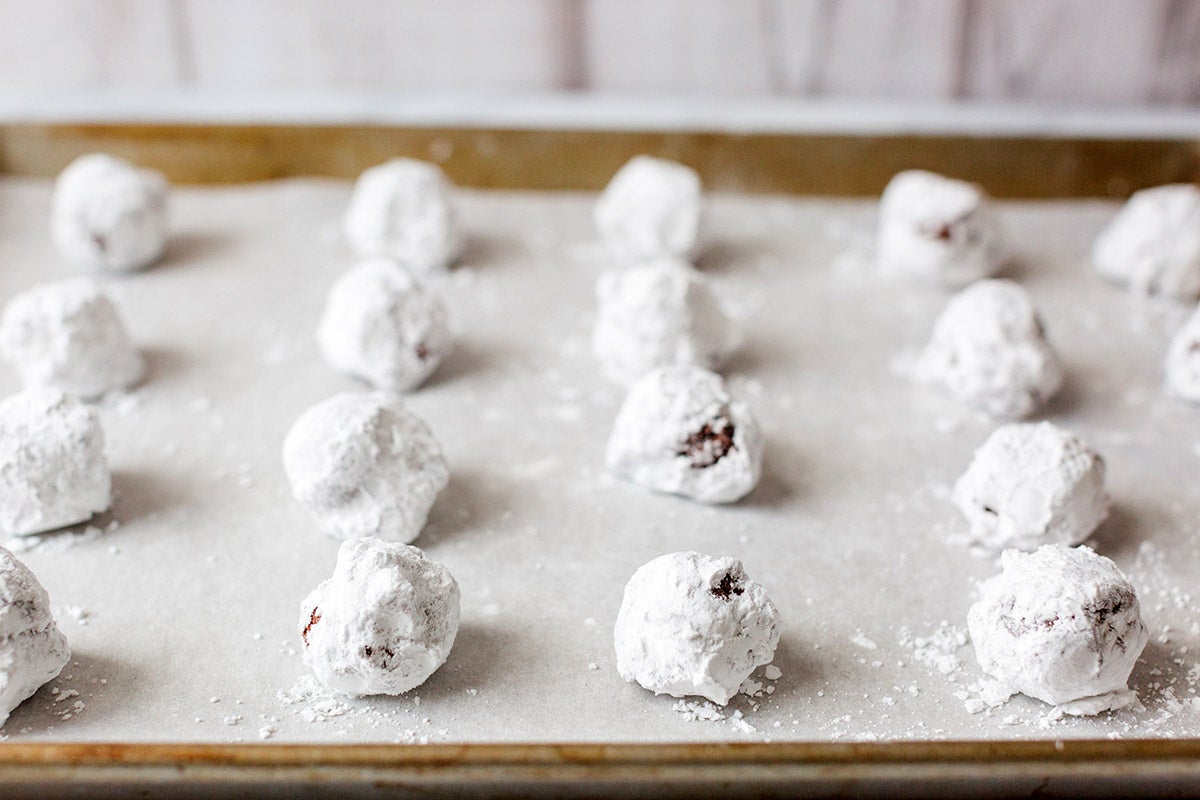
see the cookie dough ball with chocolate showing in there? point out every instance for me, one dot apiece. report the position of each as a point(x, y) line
point(692, 624)
point(989, 350)
point(657, 315)
point(383, 623)
point(1183, 361)
point(1030, 485)
point(68, 335)
point(404, 210)
point(1153, 244)
point(108, 215)
point(364, 465)
point(53, 471)
point(650, 209)
point(32, 649)
point(1060, 624)
point(383, 325)
point(679, 431)
point(938, 229)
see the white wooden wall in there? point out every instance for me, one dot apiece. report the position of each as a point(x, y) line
point(1131, 53)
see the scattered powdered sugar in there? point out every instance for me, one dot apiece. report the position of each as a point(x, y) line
point(315, 703)
point(984, 694)
point(938, 650)
point(696, 710)
point(860, 639)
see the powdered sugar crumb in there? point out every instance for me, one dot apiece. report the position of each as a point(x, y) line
point(938, 650)
point(860, 639)
point(695, 710)
point(316, 704)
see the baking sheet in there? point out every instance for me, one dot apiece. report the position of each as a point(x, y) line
point(181, 603)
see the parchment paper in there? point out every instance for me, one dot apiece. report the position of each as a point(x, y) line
point(183, 615)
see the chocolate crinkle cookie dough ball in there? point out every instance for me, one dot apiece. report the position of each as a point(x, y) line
point(680, 432)
point(1183, 361)
point(1062, 625)
point(68, 335)
point(657, 315)
point(364, 465)
point(383, 325)
point(108, 215)
point(938, 229)
point(650, 209)
point(1153, 244)
point(53, 471)
point(32, 649)
point(404, 210)
point(1030, 485)
point(989, 350)
point(383, 623)
point(692, 624)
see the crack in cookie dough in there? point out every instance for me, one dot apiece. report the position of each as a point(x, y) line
point(1152, 245)
point(53, 470)
point(32, 649)
point(937, 229)
point(659, 314)
point(692, 624)
point(69, 335)
point(388, 619)
point(1062, 625)
point(680, 432)
point(650, 209)
point(1032, 484)
point(108, 215)
point(708, 445)
point(364, 465)
point(989, 350)
point(404, 210)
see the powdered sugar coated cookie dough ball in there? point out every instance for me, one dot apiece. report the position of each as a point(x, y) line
point(651, 208)
point(383, 623)
point(364, 465)
point(383, 325)
point(53, 471)
point(679, 431)
point(656, 315)
point(1153, 244)
point(32, 649)
point(1183, 361)
point(403, 210)
point(69, 335)
point(989, 350)
point(692, 624)
point(1060, 624)
point(938, 228)
point(1030, 485)
point(108, 215)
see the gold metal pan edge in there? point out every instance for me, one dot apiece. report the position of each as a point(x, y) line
point(1008, 166)
point(695, 761)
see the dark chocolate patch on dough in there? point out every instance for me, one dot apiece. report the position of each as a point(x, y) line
point(727, 587)
point(388, 654)
point(708, 445)
point(313, 618)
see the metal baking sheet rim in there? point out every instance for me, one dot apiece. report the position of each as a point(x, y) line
point(1091, 168)
point(1009, 166)
point(1145, 765)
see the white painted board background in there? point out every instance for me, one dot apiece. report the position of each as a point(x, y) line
point(1110, 54)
